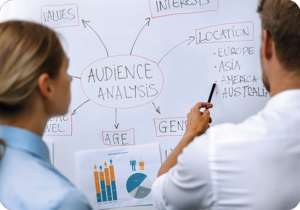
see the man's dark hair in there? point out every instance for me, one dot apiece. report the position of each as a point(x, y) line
point(281, 18)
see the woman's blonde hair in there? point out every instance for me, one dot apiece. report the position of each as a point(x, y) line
point(27, 50)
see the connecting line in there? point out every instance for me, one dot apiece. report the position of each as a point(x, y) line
point(148, 23)
point(172, 50)
point(156, 109)
point(116, 124)
point(74, 112)
point(85, 23)
point(76, 77)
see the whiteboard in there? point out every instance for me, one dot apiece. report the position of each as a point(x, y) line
point(138, 66)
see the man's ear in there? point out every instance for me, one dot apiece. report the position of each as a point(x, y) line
point(45, 87)
point(267, 51)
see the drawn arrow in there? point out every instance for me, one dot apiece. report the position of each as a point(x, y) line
point(190, 40)
point(156, 109)
point(116, 124)
point(147, 24)
point(85, 23)
point(74, 112)
point(76, 77)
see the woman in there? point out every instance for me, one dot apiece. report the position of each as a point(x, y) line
point(34, 86)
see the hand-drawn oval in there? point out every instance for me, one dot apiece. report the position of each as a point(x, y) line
point(122, 82)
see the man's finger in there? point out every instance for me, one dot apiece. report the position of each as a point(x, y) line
point(206, 114)
point(209, 105)
point(210, 120)
point(203, 105)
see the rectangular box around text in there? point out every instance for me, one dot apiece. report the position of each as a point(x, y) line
point(228, 32)
point(58, 16)
point(163, 8)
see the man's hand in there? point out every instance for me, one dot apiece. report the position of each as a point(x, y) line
point(198, 122)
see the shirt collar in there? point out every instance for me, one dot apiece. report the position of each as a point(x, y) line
point(25, 140)
point(285, 99)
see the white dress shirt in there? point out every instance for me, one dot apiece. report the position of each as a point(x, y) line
point(254, 165)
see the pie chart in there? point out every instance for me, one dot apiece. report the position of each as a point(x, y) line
point(138, 185)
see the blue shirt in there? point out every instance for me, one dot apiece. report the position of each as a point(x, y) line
point(27, 178)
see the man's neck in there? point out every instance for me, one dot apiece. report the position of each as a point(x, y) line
point(285, 81)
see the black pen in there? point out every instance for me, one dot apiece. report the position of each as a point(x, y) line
point(212, 92)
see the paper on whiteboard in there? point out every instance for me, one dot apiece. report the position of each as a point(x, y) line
point(118, 177)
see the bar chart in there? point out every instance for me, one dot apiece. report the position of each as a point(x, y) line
point(105, 183)
point(113, 182)
point(97, 185)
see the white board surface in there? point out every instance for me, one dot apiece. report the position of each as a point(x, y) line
point(139, 68)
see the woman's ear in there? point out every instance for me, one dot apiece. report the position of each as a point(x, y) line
point(45, 87)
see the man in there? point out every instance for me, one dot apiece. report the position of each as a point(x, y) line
point(254, 165)
point(133, 163)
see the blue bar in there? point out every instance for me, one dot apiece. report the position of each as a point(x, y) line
point(114, 190)
point(108, 193)
point(99, 197)
point(103, 192)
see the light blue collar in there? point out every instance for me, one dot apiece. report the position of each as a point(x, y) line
point(25, 140)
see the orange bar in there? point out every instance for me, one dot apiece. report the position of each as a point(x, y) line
point(101, 176)
point(107, 181)
point(112, 173)
point(97, 184)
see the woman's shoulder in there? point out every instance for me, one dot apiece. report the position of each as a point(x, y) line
point(22, 167)
point(30, 181)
